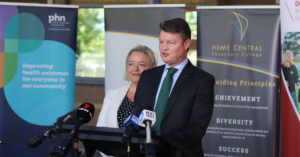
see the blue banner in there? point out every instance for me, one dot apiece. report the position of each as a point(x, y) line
point(37, 73)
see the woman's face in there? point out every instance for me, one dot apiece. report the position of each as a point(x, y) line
point(291, 57)
point(137, 63)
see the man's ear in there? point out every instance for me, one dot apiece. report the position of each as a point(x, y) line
point(187, 43)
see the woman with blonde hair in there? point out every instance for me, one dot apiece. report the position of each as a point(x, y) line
point(290, 74)
point(118, 103)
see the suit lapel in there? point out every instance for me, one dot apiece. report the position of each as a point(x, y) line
point(155, 83)
point(178, 87)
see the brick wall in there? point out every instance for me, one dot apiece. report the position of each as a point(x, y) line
point(90, 93)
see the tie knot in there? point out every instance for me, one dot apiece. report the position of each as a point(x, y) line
point(172, 71)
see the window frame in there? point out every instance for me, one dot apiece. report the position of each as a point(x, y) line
point(101, 80)
point(89, 80)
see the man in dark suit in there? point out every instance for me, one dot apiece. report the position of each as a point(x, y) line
point(183, 107)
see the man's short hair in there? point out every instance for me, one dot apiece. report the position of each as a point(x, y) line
point(177, 25)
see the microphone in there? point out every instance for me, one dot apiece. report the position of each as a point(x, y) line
point(147, 118)
point(35, 141)
point(69, 118)
point(84, 114)
point(131, 123)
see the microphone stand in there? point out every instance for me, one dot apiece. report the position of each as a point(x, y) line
point(64, 147)
point(149, 147)
point(128, 146)
point(148, 132)
point(76, 150)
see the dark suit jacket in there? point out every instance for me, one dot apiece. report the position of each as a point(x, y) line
point(189, 108)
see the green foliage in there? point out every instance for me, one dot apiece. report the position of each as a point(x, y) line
point(292, 42)
point(191, 18)
point(90, 31)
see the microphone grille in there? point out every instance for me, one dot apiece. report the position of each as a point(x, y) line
point(137, 110)
point(86, 112)
point(148, 107)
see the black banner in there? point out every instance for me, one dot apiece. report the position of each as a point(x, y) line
point(240, 47)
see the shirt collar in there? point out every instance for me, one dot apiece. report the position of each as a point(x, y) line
point(179, 66)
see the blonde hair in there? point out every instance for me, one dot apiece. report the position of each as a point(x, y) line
point(287, 62)
point(143, 49)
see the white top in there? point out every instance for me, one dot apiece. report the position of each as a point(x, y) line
point(110, 107)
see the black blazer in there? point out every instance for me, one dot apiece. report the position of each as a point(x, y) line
point(189, 108)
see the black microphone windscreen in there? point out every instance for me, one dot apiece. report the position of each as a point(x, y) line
point(70, 119)
point(137, 110)
point(86, 112)
point(148, 107)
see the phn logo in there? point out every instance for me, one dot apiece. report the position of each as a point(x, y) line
point(56, 18)
point(240, 26)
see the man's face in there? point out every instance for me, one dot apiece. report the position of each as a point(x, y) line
point(173, 50)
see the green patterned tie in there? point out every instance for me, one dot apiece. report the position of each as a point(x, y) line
point(163, 98)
